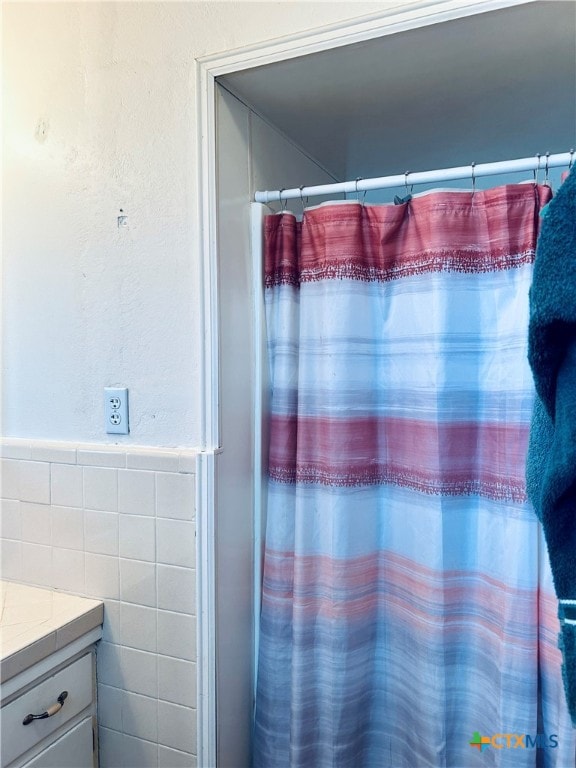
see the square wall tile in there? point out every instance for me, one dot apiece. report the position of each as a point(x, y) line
point(176, 589)
point(67, 527)
point(175, 495)
point(101, 532)
point(177, 681)
point(109, 664)
point(111, 628)
point(137, 753)
point(101, 489)
point(172, 758)
point(66, 485)
point(110, 747)
point(11, 560)
point(176, 542)
point(140, 672)
point(102, 576)
point(36, 523)
point(68, 570)
point(36, 564)
point(177, 726)
point(10, 478)
point(138, 627)
point(177, 635)
point(109, 706)
point(140, 716)
point(138, 582)
point(188, 462)
point(137, 537)
point(35, 481)
point(136, 492)
point(10, 519)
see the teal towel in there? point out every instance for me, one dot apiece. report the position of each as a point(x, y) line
point(551, 460)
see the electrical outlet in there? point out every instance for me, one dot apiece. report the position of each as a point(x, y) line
point(116, 410)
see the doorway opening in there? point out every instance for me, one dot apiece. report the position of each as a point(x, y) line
point(414, 90)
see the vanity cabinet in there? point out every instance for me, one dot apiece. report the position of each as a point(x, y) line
point(48, 691)
point(64, 739)
point(73, 750)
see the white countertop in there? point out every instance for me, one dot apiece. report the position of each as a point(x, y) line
point(36, 622)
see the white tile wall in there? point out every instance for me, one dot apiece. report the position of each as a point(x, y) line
point(172, 490)
point(101, 489)
point(138, 537)
point(68, 570)
point(67, 527)
point(136, 492)
point(11, 520)
point(37, 564)
point(138, 582)
point(173, 631)
point(110, 744)
point(174, 727)
point(176, 589)
point(177, 681)
point(36, 523)
point(66, 485)
point(176, 543)
point(101, 532)
point(170, 758)
point(117, 524)
point(102, 576)
point(11, 479)
point(35, 481)
point(138, 627)
point(11, 559)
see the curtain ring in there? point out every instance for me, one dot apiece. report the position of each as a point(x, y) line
point(546, 180)
point(282, 207)
point(473, 178)
point(537, 169)
point(359, 178)
point(406, 174)
point(302, 198)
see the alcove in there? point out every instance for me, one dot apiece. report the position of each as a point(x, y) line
point(493, 84)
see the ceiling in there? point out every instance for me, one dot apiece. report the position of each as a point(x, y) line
point(495, 86)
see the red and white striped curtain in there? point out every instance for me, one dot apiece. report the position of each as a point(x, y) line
point(408, 616)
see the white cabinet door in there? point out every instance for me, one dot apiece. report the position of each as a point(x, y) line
point(73, 750)
point(17, 738)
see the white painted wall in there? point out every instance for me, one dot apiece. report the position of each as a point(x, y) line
point(99, 115)
point(250, 153)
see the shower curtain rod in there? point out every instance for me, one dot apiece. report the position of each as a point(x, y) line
point(472, 171)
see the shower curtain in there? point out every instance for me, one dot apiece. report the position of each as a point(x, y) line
point(408, 615)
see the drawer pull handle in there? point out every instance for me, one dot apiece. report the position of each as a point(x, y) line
point(49, 712)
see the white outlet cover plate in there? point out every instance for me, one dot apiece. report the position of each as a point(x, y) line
point(116, 410)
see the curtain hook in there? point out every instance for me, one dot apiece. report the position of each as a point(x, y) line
point(406, 174)
point(302, 198)
point(546, 181)
point(282, 207)
point(359, 178)
point(571, 159)
point(537, 169)
point(473, 178)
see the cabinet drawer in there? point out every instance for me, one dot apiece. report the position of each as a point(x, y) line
point(73, 750)
point(17, 738)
